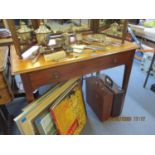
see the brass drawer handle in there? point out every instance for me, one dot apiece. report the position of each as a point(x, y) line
point(0, 96)
point(115, 60)
point(56, 75)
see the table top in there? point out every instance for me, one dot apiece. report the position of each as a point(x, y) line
point(20, 66)
point(3, 57)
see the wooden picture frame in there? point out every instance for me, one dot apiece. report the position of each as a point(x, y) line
point(25, 120)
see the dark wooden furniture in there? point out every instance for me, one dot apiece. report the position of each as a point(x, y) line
point(5, 81)
point(6, 94)
point(8, 90)
point(42, 72)
point(6, 120)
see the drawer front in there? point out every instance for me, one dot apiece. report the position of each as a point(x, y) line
point(2, 81)
point(5, 96)
point(5, 78)
point(122, 58)
point(65, 72)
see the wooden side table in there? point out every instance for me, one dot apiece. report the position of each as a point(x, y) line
point(42, 72)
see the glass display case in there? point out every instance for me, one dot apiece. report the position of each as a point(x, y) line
point(67, 25)
point(26, 32)
point(22, 33)
point(113, 27)
point(49, 34)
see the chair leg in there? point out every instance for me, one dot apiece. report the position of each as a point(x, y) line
point(150, 68)
point(6, 120)
point(3, 123)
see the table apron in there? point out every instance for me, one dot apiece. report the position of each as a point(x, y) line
point(68, 71)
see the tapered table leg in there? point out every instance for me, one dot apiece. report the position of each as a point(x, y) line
point(127, 71)
point(27, 87)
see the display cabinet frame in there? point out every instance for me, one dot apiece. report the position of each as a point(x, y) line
point(35, 24)
point(94, 28)
point(16, 42)
point(97, 29)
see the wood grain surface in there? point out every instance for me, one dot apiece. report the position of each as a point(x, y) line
point(20, 66)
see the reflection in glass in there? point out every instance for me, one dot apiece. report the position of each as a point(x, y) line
point(112, 27)
point(67, 25)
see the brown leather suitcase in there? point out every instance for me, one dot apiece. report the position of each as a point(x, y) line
point(99, 97)
point(104, 96)
point(118, 95)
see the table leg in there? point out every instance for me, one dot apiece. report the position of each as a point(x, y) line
point(6, 120)
point(127, 71)
point(3, 124)
point(27, 87)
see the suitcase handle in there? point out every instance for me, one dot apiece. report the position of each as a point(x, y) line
point(108, 81)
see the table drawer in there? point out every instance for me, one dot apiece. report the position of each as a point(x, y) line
point(5, 78)
point(123, 58)
point(2, 81)
point(5, 96)
point(65, 72)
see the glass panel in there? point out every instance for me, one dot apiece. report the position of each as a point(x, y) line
point(67, 25)
point(112, 27)
point(46, 33)
point(104, 23)
point(24, 31)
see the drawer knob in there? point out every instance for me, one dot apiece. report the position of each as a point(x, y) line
point(115, 60)
point(56, 75)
